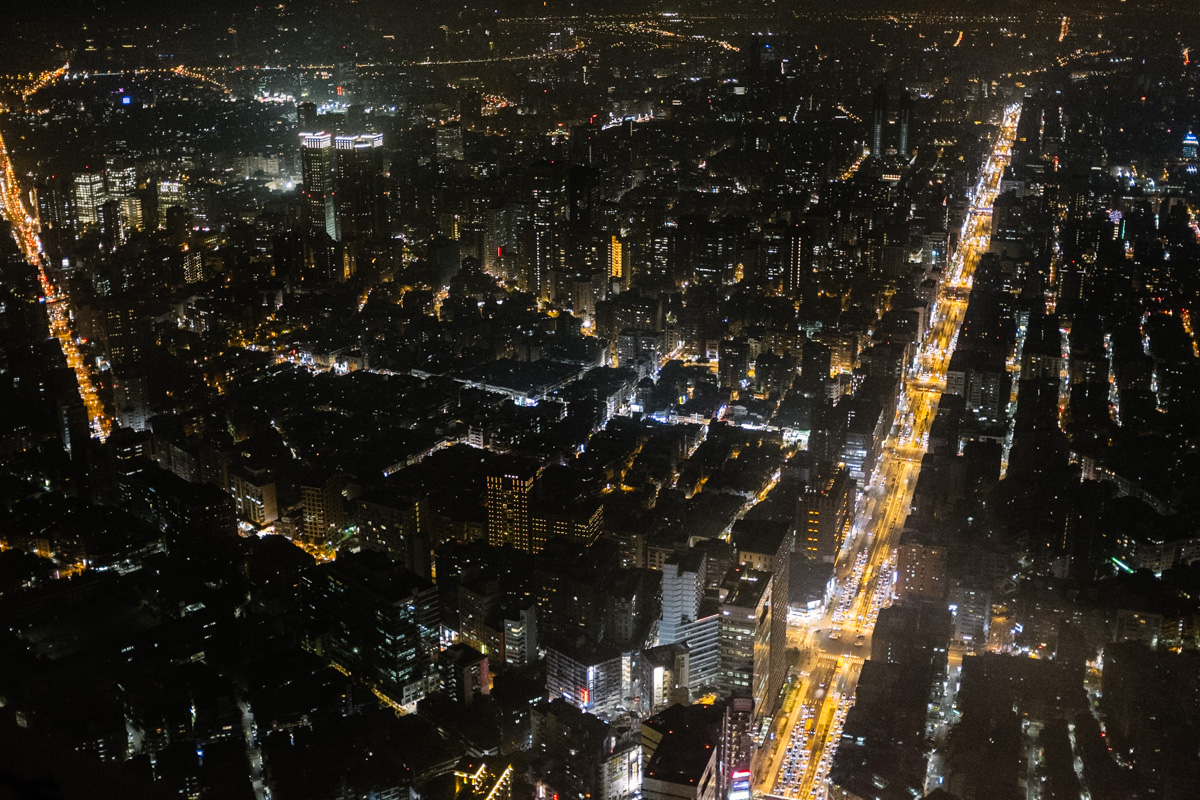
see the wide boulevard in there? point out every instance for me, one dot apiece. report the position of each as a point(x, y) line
point(25, 231)
point(836, 644)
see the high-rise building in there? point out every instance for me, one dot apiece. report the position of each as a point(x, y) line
point(734, 363)
point(546, 240)
point(664, 676)
point(316, 166)
point(746, 628)
point(375, 619)
point(921, 568)
point(111, 225)
point(681, 753)
point(123, 331)
point(254, 494)
point(398, 525)
point(508, 497)
point(321, 498)
point(56, 209)
point(520, 634)
point(591, 757)
point(306, 115)
point(591, 679)
point(904, 118)
point(362, 207)
point(618, 261)
point(765, 545)
point(122, 181)
point(737, 748)
point(90, 194)
point(582, 523)
point(464, 673)
point(703, 639)
point(797, 266)
point(131, 395)
point(171, 194)
point(1191, 146)
point(131, 213)
point(824, 514)
point(683, 584)
point(193, 264)
point(879, 113)
point(448, 142)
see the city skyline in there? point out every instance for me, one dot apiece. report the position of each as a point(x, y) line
point(529, 400)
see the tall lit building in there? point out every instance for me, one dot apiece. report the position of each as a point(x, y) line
point(193, 264)
point(921, 568)
point(322, 501)
point(396, 524)
point(904, 117)
point(90, 194)
point(766, 546)
point(549, 213)
point(171, 194)
point(131, 396)
point(582, 523)
point(254, 494)
point(123, 328)
point(520, 634)
point(746, 623)
point(316, 167)
point(508, 498)
point(362, 210)
point(55, 208)
point(797, 266)
point(879, 112)
point(1191, 146)
point(824, 514)
point(618, 261)
point(683, 584)
point(448, 141)
point(122, 181)
point(131, 213)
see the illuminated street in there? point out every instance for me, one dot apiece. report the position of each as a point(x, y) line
point(25, 231)
point(553, 401)
point(867, 560)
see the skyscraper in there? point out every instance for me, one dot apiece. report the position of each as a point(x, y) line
point(122, 181)
point(448, 141)
point(879, 112)
point(316, 152)
point(508, 497)
point(824, 514)
point(746, 625)
point(193, 265)
point(549, 211)
point(683, 585)
point(306, 115)
point(904, 117)
point(90, 194)
point(797, 267)
point(171, 194)
point(362, 212)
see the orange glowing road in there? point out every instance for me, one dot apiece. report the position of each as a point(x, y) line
point(42, 81)
point(840, 638)
point(25, 231)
